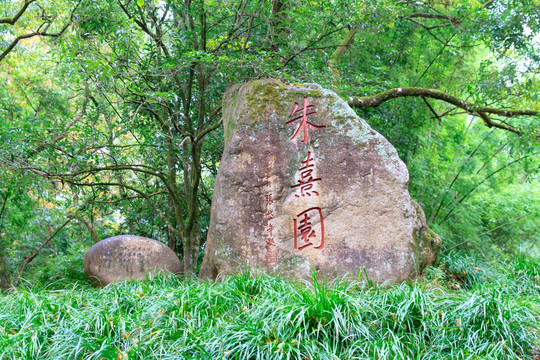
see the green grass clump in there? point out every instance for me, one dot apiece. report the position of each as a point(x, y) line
point(462, 310)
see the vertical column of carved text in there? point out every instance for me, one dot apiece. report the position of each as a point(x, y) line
point(271, 248)
point(308, 224)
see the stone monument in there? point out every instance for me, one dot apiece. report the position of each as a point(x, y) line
point(306, 185)
point(128, 257)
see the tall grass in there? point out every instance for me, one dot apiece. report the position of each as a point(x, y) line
point(462, 310)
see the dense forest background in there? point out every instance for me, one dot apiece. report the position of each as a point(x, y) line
point(110, 114)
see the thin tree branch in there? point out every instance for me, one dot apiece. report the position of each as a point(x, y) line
point(141, 193)
point(58, 138)
point(506, 223)
point(308, 46)
point(432, 110)
point(137, 168)
point(15, 18)
point(28, 259)
point(3, 211)
point(454, 20)
point(202, 133)
point(480, 183)
point(39, 32)
point(447, 191)
point(434, 59)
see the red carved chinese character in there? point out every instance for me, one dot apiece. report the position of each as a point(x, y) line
point(270, 241)
point(270, 214)
point(305, 183)
point(304, 123)
point(269, 200)
point(308, 232)
point(271, 256)
point(270, 229)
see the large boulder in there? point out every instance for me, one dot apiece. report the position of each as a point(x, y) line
point(128, 257)
point(305, 184)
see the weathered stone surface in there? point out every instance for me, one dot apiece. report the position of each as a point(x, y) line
point(127, 257)
point(347, 177)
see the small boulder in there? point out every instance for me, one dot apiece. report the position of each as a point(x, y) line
point(305, 184)
point(128, 257)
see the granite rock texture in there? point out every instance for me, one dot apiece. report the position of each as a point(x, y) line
point(128, 257)
point(305, 184)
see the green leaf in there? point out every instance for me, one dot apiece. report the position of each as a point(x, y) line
point(140, 3)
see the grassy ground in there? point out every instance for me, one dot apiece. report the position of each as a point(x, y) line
point(462, 310)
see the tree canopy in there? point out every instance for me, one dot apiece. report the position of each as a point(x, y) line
point(111, 111)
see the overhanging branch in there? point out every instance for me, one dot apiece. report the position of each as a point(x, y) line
point(41, 31)
point(13, 20)
point(481, 111)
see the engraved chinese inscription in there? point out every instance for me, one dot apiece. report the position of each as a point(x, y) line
point(308, 224)
point(303, 114)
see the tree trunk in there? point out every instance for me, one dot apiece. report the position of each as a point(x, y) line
point(188, 258)
point(84, 221)
point(90, 227)
point(191, 243)
point(278, 25)
point(340, 51)
point(4, 276)
point(171, 240)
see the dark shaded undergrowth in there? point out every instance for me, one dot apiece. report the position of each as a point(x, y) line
point(461, 310)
